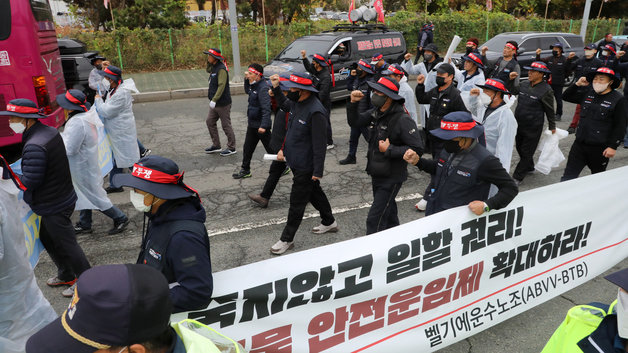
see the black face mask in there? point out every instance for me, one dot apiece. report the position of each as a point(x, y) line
point(440, 81)
point(359, 72)
point(99, 67)
point(452, 146)
point(556, 53)
point(469, 50)
point(428, 57)
point(378, 101)
point(294, 96)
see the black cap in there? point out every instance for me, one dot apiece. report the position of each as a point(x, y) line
point(445, 68)
point(619, 278)
point(113, 306)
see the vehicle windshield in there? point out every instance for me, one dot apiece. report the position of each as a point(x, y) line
point(41, 10)
point(497, 43)
point(293, 51)
point(5, 19)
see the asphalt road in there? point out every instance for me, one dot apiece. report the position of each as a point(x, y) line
point(242, 233)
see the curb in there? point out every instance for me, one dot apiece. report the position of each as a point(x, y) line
point(158, 96)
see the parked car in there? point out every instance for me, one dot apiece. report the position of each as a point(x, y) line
point(76, 63)
point(360, 41)
point(529, 42)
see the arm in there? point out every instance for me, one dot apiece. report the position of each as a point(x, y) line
point(33, 166)
point(618, 130)
point(427, 165)
point(548, 106)
point(574, 94)
point(222, 84)
point(355, 118)
point(491, 171)
point(264, 102)
point(188, 256)
point(282, 102)
point(421, 96)
point(319, 143)
point(351, 82)
point(409, 135)
point(324, 89)
point(308, 67)
point(94, 80)
point(114, 105)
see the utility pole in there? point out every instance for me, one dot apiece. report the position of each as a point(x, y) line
point(585, 20)
point(235, 44)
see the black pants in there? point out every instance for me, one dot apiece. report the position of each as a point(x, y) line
point(418, 55)
point(58, 238)
point(558, 94)
point(354, 139)
point(582, 155)
point(274, 173)
point(383, 212)
point(526, 141)
point(305, 190)
point(250, 142)
point(330, 139)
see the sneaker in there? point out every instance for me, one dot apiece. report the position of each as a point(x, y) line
point(348, 160)
point(213, 149)
point(111, 189)
point(227, 152)
point(286, 171)
point(241, 174)
point(56, 282)
point(69, 292)
point(421, 205)
point(281, 247)
point(322, 229)
point(146, 152)
point(119, 226)
point(330, 146)
point(259, 200)
point(571, 130)
point(79, 229)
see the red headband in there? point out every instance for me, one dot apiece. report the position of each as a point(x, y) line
point(301, 80)
point(21, 109)
point(453, 126)
point(511, 46)
point(395, 71)
point(539, 65)
point(388, 84)
point(471, 43)
point(156, 176)
point(253, 71)
point(74, 100)
point(213, 52)
point(495, 84)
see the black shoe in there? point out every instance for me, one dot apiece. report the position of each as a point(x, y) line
point(146, 152)
point(557, 117)
point(213, 149)
point(242, 174)
point(286, 171)
point(79, 229)
point(111, 189)
point(571, 130)
point(348, 160)
point(119, 226)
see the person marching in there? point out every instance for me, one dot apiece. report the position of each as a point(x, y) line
point(304, 151)
point(464, 171)
point(219, 95)
point(379, 65)
point(115, 108)
point(425, 37)
point(258, 114)
point(321, 69)
point(506, 68)
point(608, 56)
point(94, 80)
point(535, 100)
point(602, 122)
point(396, 72)
point(580, 67)
point(559, 66)
point(176, 241)
point(358, 80)
point(472, 74)
point(49, 191)
point(80, 137)
point(391, 133)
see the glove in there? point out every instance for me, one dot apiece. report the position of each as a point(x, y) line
point(212, 104)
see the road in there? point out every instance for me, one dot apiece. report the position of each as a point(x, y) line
point(242, 234)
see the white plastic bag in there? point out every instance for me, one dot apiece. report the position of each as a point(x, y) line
point(551, 156)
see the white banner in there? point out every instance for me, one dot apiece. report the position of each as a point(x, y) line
point(429, 283)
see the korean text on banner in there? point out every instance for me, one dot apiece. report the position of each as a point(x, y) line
point(429, 283)
point(105, 156)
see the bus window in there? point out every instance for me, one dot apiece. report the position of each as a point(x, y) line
point(41, 10)
point(5, 19)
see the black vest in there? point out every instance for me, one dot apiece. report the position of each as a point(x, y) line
point(298, 148)
point(504, 74)
point(529, 112)
point(456, 182)
point(596, 122)
point(225, 99)
point(558, 67)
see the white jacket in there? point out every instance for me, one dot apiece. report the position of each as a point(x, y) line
point(470, 83)
point(410, 100)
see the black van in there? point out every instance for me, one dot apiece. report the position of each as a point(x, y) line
point(360, 42)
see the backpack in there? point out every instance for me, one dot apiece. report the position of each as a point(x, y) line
point(580, 322)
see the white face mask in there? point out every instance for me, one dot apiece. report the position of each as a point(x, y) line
point(599, 87)
point(485, 99)
point(18, 128)
point(622, 313)
point(604, 52)
point(137, 200)
point(589, 53)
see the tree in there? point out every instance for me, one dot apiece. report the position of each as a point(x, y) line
point(152, 14)
point(93, 10)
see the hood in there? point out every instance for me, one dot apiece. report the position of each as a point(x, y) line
point(189, 208)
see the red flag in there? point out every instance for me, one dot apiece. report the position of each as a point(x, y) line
point(106, 3)
point(489, 5)
point(379, 7)
point(351, 8)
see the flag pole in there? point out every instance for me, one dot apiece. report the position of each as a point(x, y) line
point(600, 12)
point(545, 21)
point(113, 20)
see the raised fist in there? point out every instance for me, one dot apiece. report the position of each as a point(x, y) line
point(407, 57)
point(420, 79)
point(274, 79)
point(356, 96)
point(538, 51)
point(303, 54)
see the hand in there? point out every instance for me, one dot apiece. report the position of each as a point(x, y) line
point(609, 152)
point(383, 145)
point(270, 93)
point(212, 104)
point(411, 156)
point(484, 50)
point(582, 81)
point(477, 207)
point(420, 79)
point(354, 73)
point(274, 79)
point(407, 57)
point(97, 96)
point(474, 91)
point(553, 131)
point(261, 131)
point(303, 53)
point(420, 49)
point(513, 75)
point(571, 55)
point(105, 63)
point(315, 178)
point(356, 96)
point(280, 156)
point(621, 53)
point(538, 51)
point(246, 75)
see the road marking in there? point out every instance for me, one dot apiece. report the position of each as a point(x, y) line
point(280, 220)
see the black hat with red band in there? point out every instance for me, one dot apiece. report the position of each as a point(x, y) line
point(387, 86)
point(395, 69)
point(112, 72)
point(301, 80)
point(494, 85)
point(474, 58)
point(616, 80)
point(23, 108)
point(73, 100)
point(458, 124)
point(216, 53)
point(538, 66)
point(320, 60)
point(158, 176)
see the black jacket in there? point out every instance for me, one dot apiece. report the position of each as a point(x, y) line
point(441, 103)
point(360, 83)
point(397, 126)
point(185, 258)
point(533, 103)
point(258, 111)
point(322, 82)
point(558, 66)
point(582, 66)
point(603, 337)
point(278, 135)
point(46, 171)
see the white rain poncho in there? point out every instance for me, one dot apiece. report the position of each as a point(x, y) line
point(23, 308)
point(80, 137)
point(471, 83)
point(410, 100)
point(430, 82)
point(117, 115)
